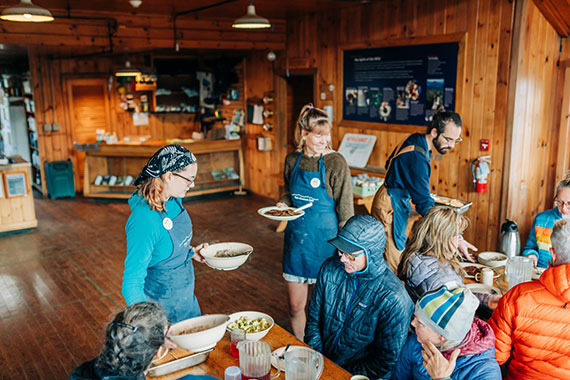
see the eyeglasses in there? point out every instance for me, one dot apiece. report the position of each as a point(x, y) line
point(562, 204)
point(351, 256)
point(190, 181)
point(451, 140)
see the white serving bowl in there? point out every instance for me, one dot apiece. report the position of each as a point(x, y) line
point(492, 259)
point(253, 315)
point(226, 263)
point(201, 340)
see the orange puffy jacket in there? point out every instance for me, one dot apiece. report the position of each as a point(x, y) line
point(532, 326)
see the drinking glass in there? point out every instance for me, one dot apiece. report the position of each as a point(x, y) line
point(301, 364)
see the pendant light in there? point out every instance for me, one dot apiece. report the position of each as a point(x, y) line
point(26, 12)
point(128, 71)
point(251, 20)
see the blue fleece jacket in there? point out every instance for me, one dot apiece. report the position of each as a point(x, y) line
point(410, 366)
point(148, 243)
point(360, 320)
point(538, 242)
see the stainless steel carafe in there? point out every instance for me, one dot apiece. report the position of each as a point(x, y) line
point(509, 241)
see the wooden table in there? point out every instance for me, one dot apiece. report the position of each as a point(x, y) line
point(221, 358)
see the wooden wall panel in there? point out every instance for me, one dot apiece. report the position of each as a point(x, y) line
point(535, 103)
point(487, 26)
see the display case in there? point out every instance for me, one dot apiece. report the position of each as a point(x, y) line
point(111, 169)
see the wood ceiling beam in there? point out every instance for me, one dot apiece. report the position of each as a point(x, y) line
point(557, 12)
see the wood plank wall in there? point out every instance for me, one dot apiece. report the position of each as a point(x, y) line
point(534, 125)
point(50, 77)
point(488, 25)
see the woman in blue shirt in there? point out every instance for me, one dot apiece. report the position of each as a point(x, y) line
point(158, 266)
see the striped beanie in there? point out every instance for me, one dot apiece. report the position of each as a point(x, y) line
point(448, 312)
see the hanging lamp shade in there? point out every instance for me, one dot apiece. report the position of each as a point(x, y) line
point(251, 20)
point(127, 71)
point(25, 11)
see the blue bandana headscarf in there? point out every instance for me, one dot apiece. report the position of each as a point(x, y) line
point(169, 158)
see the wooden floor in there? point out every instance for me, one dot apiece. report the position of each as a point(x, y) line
point(61, 283)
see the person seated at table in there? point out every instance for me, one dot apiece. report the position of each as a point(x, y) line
point(431, 257)
point(131, 343)
point(359, 311)
point(448, 342)
point(532, 319)
point(538, 245)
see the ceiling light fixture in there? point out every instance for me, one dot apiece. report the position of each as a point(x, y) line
point(135, 3)
point(128, 71)
point(251, 20)
point(25, 11)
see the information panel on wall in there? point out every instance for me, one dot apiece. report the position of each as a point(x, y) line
point(400, 84)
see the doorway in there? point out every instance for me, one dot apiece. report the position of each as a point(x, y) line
point(300, 91)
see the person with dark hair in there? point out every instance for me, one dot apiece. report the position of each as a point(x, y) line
point(359, 312)
point(408, 171)
point(538, 245)
point(532, 319)
point(131, 343)
point(158, 265)
point(314, 173)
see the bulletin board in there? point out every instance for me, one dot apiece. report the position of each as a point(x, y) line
point(402, 83)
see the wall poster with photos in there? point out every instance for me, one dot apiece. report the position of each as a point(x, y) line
point(1, 187)
point(15, 185)
point(400, 84)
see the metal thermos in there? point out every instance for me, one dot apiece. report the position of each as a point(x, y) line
point(510, 242)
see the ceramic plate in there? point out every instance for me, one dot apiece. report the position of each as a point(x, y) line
point(263, 210)
point(464, 265)
point(280, 363)
point(482, 288)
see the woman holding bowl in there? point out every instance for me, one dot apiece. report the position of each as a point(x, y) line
point(313, 173)
point(158, 265)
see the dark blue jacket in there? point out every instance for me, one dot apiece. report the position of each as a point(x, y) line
point(408, 178)
point(360, 321)
point(481, 366)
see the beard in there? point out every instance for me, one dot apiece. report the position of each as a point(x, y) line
point(440, 149)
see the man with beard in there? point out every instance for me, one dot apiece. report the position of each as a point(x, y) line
point(407, 177)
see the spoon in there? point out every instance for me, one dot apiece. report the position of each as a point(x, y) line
point(303, 207)
point(282, 356)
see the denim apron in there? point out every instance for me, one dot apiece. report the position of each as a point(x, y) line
point(306, 246)
point(171, 281)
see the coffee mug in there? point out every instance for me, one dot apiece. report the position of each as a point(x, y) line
point(485, 277)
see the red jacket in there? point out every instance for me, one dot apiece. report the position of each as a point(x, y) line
point(532, 326)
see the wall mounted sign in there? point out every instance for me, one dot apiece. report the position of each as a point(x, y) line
point(15, 185)
point(356, 149)
point(399, 84)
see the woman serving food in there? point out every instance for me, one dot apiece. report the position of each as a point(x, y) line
point(313, 173)
point(158, 265)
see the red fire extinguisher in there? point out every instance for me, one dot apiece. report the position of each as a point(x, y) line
point(480, 171)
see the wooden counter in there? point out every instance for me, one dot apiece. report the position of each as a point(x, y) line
point(122, 160)
point(17, 210)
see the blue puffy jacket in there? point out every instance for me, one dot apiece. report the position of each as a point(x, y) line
point(360, 320)
point(482, 366)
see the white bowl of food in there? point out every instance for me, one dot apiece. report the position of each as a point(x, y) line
point(255, 324)
point(199, 333)
point(492, 259)
point(227, 256)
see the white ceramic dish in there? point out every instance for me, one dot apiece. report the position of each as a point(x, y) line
point(226, 263)
point(482, 288)
point(263, 210)
point(252, 315)
point(280, 363)
point(465, 264)
point(486, 258)
point(201, 340)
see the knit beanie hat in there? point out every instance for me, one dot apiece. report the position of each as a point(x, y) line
point(448, 312)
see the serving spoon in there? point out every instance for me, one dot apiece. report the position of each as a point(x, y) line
point(303, 207)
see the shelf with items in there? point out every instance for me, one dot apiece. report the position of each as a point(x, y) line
point(121, 161)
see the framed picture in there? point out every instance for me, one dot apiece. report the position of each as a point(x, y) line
point(15, 185)
point(1, 187)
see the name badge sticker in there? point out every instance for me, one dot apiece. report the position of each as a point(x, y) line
point(315, 182)
point(167, 223)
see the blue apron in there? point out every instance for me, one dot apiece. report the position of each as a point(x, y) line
point(306, 246)
point(171, 281)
